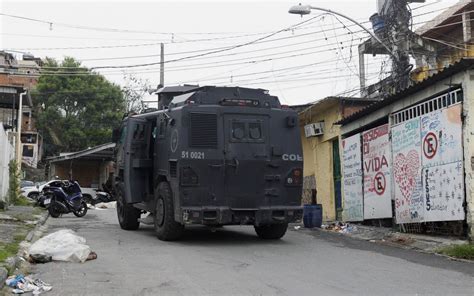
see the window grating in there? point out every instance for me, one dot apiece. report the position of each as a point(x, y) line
point(440, 102)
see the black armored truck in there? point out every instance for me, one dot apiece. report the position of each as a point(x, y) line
point(213, 156)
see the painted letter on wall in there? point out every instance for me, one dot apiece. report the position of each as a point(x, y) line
point(377, 168)
point(352, 174)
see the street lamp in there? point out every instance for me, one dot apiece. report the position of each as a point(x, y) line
point(306, 9)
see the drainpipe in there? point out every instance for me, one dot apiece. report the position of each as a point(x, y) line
point(18, 131)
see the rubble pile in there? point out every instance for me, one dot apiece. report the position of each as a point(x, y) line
point(339, 227)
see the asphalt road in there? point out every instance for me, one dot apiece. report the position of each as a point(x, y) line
point(233, 261)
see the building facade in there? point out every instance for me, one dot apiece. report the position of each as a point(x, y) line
point(321, 141)
point(413, 152)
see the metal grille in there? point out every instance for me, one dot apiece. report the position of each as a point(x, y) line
point(203, 130)
point(440, 102)
point(173, 168)
point(451, 228)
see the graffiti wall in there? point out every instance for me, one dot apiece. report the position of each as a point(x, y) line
point(442, 174)
point(406, 144)
point(352, 176)
point(428, 167)
point(376, 172)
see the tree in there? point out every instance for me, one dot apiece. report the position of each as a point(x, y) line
point(75, 108)
point(134, 91)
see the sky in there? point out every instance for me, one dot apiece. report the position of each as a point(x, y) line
point(255, 44)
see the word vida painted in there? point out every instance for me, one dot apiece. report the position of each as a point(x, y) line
point(375, 164)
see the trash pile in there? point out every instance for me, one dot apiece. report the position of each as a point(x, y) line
point(62, 245)
point(339, 227)
point(23, 284)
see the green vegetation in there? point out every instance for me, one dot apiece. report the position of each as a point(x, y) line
point(14, 186)
point(76, 109)
point(465, 251)
point(10, 249)
point(22, 201)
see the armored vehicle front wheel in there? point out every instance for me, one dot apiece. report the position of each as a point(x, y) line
point(271, 231)
point(127, 215)
point(166, 227)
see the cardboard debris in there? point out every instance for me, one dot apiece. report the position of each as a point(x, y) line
point(21, 284)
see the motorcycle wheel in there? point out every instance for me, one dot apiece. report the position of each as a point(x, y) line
point(82, 210)
point(53, 209)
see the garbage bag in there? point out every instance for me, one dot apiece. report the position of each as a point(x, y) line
point(62, 245)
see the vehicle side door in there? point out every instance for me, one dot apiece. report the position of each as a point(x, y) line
point(137, 161)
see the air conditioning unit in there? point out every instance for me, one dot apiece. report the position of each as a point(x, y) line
point(314, 129)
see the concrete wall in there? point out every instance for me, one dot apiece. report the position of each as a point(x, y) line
point(468, 132)
point(317, 153)
point(6, 154)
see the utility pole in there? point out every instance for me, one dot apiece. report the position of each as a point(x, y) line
point(162, 65)
point(392, 24)
point(18, 132)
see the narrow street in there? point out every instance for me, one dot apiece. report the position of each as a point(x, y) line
point(233, 261)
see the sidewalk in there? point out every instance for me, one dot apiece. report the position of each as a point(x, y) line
point(388, 236)
point(17, 224)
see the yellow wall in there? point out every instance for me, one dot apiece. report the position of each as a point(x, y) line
point(317, 153)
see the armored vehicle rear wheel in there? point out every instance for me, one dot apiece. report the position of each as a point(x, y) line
point(272, 231)
point(127, 215)
point(166, 227)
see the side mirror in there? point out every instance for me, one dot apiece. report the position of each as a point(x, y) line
point(115, 135)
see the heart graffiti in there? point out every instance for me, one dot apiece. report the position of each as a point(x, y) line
point(406, 170)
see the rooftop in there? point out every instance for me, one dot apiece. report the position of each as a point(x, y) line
point(461, 65)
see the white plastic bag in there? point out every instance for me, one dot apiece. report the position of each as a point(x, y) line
point(62, 245)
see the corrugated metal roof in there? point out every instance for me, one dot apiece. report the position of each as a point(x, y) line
point(463, 64)
point(104, 151)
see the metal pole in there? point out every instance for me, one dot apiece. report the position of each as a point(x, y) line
point(18, 132)
point(162, 65)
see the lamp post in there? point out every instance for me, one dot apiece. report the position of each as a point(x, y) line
point(306, 9)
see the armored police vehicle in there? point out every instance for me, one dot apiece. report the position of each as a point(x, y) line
point(214, 156)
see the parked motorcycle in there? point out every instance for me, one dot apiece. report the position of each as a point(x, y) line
point(100, 196)
point(62, 197)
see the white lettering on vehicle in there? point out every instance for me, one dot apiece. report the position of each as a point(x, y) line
point(193, 155)
point(291, 157)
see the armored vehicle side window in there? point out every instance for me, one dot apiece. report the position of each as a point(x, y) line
point(246, 131)
point(123, 134)
point(161, 130)
point(139, 132)
point(255, 130)
point(238, 130)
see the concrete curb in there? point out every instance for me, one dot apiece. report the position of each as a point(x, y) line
point(14, 262)
point(386, 243)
